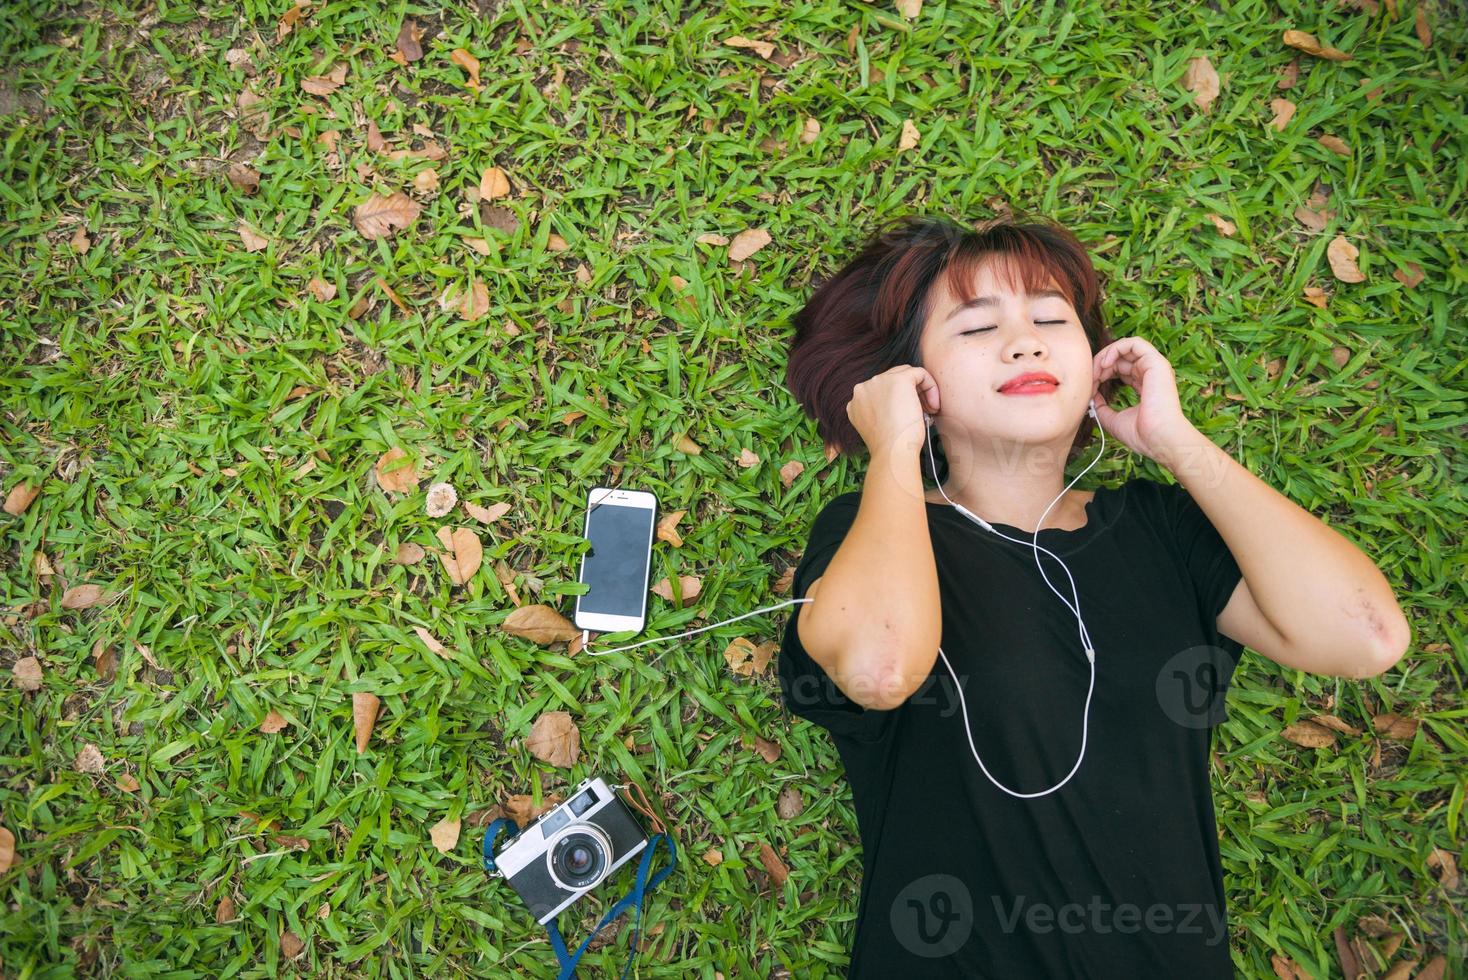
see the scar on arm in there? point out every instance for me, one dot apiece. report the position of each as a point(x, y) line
point(1363, 609)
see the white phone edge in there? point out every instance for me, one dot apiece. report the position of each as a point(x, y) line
point(614, 497)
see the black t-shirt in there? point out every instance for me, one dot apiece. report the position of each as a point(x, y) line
point(1116, 873)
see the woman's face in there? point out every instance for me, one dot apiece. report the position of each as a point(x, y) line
point(971, 352)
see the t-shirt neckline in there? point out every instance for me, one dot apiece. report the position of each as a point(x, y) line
point(1056, 539)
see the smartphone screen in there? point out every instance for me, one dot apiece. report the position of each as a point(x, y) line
point(616, 565)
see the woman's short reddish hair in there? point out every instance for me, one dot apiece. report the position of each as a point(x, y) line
point(869, 316)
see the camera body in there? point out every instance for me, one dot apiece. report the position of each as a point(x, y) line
point(569, 850)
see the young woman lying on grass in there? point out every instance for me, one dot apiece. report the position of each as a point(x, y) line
point(1043, 816)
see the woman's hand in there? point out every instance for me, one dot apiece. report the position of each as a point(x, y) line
point(1156, 422)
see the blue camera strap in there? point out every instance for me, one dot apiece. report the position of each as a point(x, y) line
point(633, 898)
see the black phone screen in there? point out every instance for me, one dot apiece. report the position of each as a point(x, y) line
point(616, 565)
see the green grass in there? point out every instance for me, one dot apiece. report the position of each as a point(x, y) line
point(136, 374)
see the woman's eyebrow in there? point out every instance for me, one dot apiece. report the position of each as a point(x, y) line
point(982, 301)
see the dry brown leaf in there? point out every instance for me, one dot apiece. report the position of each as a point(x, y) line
point(400, 479)
point(746, 659)
point(764, 49)
point(27, 673)
point(290, 18)
point(391, 294)
point(1395, 727)
point(470, 64)
point(1342, 256)
point(493, 184)
point(291, 945)
point(771, 860)
point(747, 242)
point(1307, 43)
point(7, 849)
point(1411, 276)
point(224, 911)
point(89, 760)
point(480, 245)
point(486, 515)
point(522, 809)
point(426, 181)
point(364, 717)
point(1284, 111)
point(790, 471)
point(668, 528)
point(712, 238)
point(444, 834)
point(555, 739)
point(80, 243)
point(375, 142)
point(540, 624)
point(128, 783)
point(768, 750)
point(909, 8)
point(476, 302)
point(325, 84)
point(274, 722)
point(431, 642)
point(1225, 227)
point(910, 136)
point(1443, 860)
point(254, 241)
point(1202, 80)
point(382, 216)
point(409, 553)
point(410, 37)
point(81, 597)
point(1309, 734)
point(1335, 724)
point(689, 585)
point(810, 131)
point(21, 496)
point(321, 289)
point(440, 499)
point(713, 857)
point(789, 805)
point(462, 555)
point(1334, 144)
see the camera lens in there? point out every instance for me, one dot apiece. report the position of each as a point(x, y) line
point(578, 859)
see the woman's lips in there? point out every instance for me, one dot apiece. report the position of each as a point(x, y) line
point(1030, 388)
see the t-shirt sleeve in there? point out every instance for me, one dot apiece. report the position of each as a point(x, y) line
point(1210, 564)
point(805, 687)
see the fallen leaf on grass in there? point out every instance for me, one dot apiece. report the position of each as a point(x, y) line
point(445, 834)
point(462, 555)
point(555, 739)
point(254, 241)
point(290, 18)
point(80, 243)
point(291, 945)
point(431, 642)
point(910, 137)
point(244, 178)
point(765, 49)
point(486, 515)
point(768, 750)
point(746, 659)
point(27, 673)
point(224, 911)
point(493, 184)
point(273, 723)
point(7, 849)
point(325, 84)
point(321, 289)
point(521, 808)
point(409, 553)
point(81, 597)
point(540, 624)
point(440, 499)
point(747, 242)
point(1302, 41)
point(789, 805)
point(364, 717)
point(21, 496)
point(470, 64)
point(1342, 257)
point(401, 478)
point(426, 181)
point(410, 36)
point(689, 585)
point(1202, 80)
point(771, 860)
point(1395, 727)
point(128, 783)
point(382, 216)
point(1309, 734)
point(476, 302)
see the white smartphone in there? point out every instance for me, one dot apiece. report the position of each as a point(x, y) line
point(619, 525)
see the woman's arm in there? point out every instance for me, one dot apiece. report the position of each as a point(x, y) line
point(1314, 599)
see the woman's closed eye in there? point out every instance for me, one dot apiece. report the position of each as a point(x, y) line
point(982, 329)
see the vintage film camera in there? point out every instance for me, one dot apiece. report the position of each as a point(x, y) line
point(567, 851)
